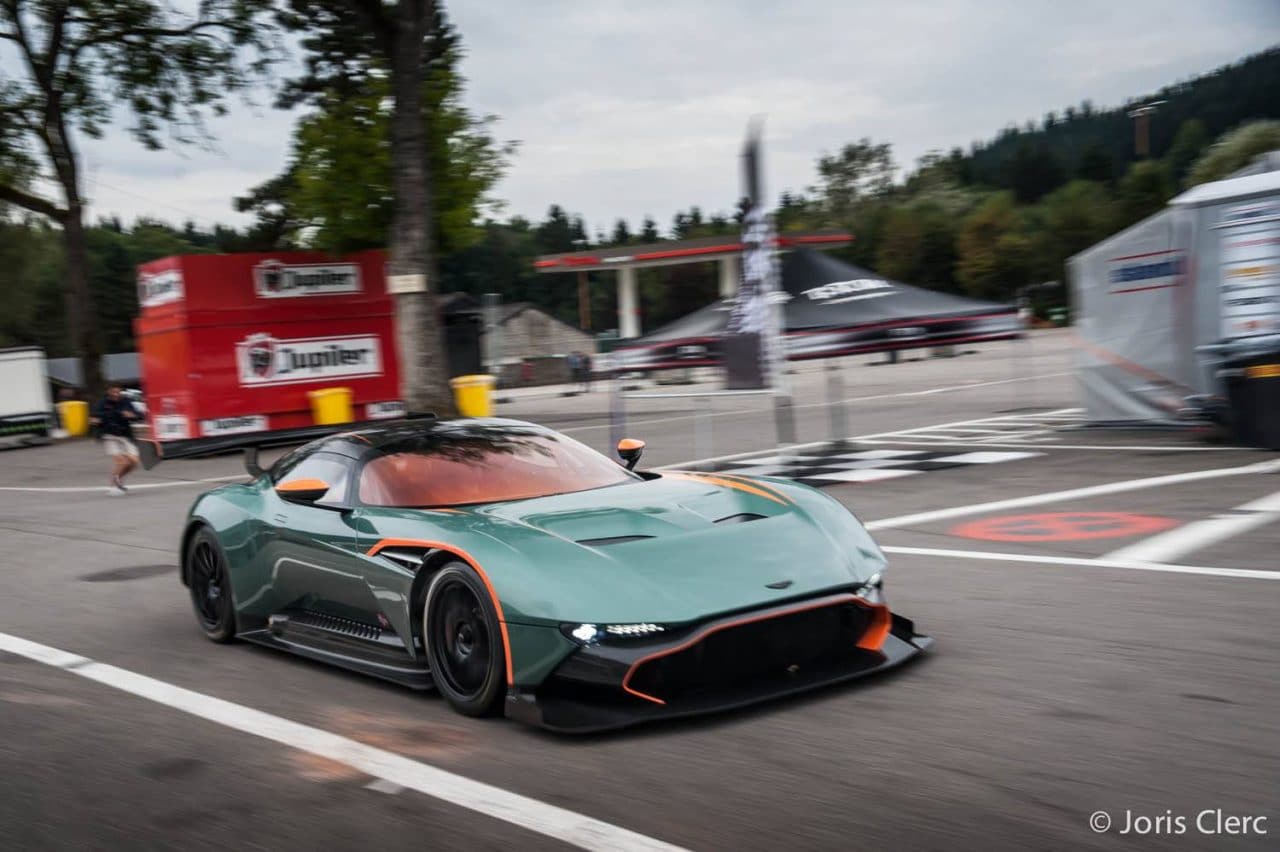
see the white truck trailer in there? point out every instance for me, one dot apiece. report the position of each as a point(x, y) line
point(26, 413)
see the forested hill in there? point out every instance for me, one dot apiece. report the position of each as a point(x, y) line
point(1219, 100)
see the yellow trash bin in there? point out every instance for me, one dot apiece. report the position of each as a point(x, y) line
point(74, 415)
point(472, 394)
point(330, 406)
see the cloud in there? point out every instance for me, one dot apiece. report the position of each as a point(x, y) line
point(627, 109)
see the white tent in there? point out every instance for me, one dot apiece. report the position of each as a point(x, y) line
point(1161, 304)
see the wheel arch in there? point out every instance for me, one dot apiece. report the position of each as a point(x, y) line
point(194, 525)
point(436, 555)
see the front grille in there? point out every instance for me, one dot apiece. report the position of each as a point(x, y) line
point(770, 649)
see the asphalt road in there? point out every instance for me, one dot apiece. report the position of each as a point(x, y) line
point(1059, 687)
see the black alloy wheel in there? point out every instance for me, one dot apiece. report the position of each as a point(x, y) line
point(211, 587)
point(464, 641)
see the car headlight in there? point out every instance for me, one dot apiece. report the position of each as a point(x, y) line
point(589, 634)
point(872, 589)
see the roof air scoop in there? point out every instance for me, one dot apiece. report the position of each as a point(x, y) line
point(613, 539)
point(740, 518)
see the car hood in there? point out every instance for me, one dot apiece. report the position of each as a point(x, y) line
point(674, 549)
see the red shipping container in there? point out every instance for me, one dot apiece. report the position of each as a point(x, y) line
point(233, 342)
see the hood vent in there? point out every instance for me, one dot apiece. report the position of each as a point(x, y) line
point(741, 518)
point(614, 539)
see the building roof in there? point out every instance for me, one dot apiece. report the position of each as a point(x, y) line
point(677, 251)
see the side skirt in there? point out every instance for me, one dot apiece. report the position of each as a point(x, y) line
point(342, 645)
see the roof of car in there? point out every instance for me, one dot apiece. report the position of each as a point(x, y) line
point(397, 434)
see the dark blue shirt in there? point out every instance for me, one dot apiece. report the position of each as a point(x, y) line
point(110, 413)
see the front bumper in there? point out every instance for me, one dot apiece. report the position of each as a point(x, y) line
point(726, 663)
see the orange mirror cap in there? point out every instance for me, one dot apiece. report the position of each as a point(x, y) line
point(629, 444)
point(298, 486)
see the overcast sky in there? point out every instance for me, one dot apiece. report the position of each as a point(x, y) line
point(632, 109)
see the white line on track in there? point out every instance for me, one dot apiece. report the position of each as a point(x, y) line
point(1070, 494)
point(1104, 562)
point(70, 489)
point(769, 410)
point(969, 442)
point(1200, 534)
point(549, 820)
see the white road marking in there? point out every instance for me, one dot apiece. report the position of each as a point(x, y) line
point(1070, 494)
point(381, 785)
point(972, 442)
point(1104, 562)
point(1200, 534)
point(769, 410)
point(549, 820)
point(70, 489)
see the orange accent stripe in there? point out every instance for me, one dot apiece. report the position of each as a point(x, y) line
point(727, 483)
point(470, 560)
point(303, 485)
point(758, 484)
point(871, 640)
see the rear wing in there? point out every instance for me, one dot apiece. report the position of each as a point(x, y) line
point(152, 451)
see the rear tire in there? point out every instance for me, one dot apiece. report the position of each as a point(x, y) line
point(464, 641)
point(210, 583)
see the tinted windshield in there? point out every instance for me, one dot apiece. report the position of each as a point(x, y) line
point(483, 465)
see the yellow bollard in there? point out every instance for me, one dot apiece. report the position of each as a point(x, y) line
point(330, 406)
point(74, 415)
point(473, 395)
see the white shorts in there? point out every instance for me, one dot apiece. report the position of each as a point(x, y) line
point(119, 446)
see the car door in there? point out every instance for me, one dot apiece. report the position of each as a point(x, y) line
point(313, 544)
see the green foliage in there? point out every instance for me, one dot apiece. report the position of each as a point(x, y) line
point(918, 245)
point(1187, 147)
point(1235, 150)
point(862, 171)
point(993, 252)
point(336, 194)
point(1144, 190)
point(31, 256)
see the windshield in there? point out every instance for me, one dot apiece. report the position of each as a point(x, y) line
point(484, 466)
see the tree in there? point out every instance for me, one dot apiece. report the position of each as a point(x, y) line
point(993, 253)
point(336, 192)
point(1032, 172)
point(1095, 164)
point(1073, 218)
point(1143, 191)
point(78, 58)
point(649, 231)
point(1187, 147)
point(621, 233)
point(1234, 150)
point(861, 171)
point(353, 49)
point(918, 245)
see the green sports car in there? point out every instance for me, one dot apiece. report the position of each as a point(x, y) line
point(519, 572)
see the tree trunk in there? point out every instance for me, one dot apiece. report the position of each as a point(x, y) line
point(82, 317)
point(82, 327)
point(423, 370)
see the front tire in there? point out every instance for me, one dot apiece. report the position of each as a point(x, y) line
point(210, 583)
point(464, 641)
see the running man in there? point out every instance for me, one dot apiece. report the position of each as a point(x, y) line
point(112, 416)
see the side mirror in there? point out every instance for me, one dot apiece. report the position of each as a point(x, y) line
point(303, 490)
point(630, 450)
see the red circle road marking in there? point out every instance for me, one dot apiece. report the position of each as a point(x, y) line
point(1063, 526)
